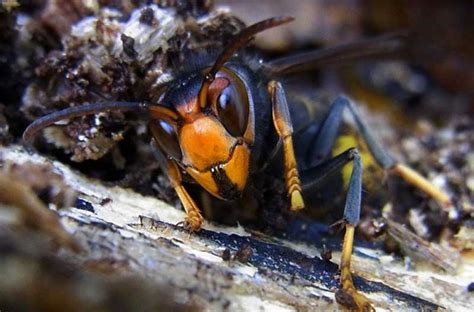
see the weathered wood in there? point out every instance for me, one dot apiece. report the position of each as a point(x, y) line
point(125, 234)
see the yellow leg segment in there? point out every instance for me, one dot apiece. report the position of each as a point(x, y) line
point(348, 296)
point(284, 128)
point(194, 218)
point(292, 179)
point(414, 178)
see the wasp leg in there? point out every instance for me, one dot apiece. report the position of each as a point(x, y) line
point(315, 176)
point(326, 137)
point(416, 179)
point(194, 219)
point(311, 178)
point(284, 128)
point(348, 294)
point(351, 218)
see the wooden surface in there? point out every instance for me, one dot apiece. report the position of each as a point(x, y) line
point(125, 235)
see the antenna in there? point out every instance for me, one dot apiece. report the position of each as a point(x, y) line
point(240, 40)
point(78, 111)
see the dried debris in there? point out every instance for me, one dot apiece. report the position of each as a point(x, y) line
point(443, 156)
point(5, 136)
point(226, 254)
point(113, 55)
point(421, 250)
point(326, 254)
point(17, 194)
point(47, 184)
point(243, 254)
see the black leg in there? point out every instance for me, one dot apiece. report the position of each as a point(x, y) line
point(315, 176)
point(323, 143)
point(354, 191)
point(312, 178)
point(351, 218)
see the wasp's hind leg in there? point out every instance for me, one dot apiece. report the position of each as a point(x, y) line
point(318, 153)
point(348, 295)
point(320, 150)
point(312, 177)
point(326, 137)
point(284, 128)
point(194, 219)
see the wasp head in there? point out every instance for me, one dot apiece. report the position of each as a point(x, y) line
point(211, 142)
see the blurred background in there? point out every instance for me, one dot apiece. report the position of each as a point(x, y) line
point(441, 49)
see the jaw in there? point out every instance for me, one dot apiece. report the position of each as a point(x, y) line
point(228, 180)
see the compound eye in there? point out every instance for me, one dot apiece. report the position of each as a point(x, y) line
point(233, 109)
point(166, 136)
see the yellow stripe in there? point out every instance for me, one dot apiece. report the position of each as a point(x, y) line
point(345, 142)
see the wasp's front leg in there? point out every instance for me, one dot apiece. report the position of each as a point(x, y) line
point(284, 128)
point(194, 218)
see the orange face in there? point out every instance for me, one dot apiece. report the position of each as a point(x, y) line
point(211, 143)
